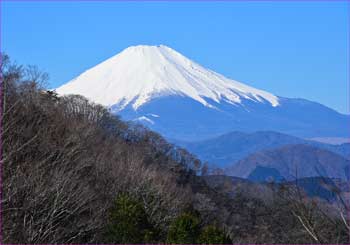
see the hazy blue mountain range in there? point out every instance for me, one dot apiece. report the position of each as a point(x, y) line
point(232, 147)
point(291, 162)
point(313, 186)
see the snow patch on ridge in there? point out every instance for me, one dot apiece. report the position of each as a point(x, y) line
point(144, 119)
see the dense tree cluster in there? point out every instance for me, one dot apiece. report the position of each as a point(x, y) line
point(128, 223)
point(74, 173)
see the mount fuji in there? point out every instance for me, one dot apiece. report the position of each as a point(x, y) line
point(180, 99)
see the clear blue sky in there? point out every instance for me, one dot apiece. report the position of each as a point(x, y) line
point(292, 49)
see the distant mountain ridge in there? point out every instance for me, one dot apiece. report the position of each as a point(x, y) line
point(313, 186)
point(162, 89)
point(291, 162)
point(234, 146)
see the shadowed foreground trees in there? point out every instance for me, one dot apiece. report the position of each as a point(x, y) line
point(74, 173)
point(184, 229)
point(128, 222)
point(213, 235)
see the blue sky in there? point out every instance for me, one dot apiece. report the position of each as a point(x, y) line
point(292, 49)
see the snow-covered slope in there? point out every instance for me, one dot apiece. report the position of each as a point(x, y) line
point(140, 73)
point(162, 89)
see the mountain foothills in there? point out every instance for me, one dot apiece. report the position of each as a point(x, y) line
point(264, 155)
point(291, 162)
point(169, 93)
point(75, 173)
point(229, 148)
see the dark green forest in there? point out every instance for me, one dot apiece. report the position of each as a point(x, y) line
point(74, 173)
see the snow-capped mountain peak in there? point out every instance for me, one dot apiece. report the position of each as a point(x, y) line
point(140, 73)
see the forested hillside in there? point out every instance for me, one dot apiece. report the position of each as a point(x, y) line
point(74, 173)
